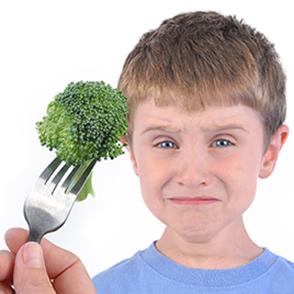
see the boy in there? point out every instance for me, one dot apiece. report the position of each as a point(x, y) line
point(206, 98)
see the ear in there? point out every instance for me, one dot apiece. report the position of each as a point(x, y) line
point(270, 157)
point(124, 141)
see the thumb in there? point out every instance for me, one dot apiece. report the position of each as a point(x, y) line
point(30, 276)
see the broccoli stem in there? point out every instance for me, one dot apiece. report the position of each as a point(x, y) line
point(86, 190)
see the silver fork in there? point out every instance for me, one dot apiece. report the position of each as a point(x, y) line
point(48, 205)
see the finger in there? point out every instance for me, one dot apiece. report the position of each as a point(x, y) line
point(74, 280)
point(30, 276)
point(15, 238)
point(5, 289)
point(6, 265)
point(57, 260)
point(67, 271)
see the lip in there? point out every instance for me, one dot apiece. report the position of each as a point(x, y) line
point(193, 200)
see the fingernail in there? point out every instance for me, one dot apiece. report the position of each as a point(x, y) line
point(32, 255)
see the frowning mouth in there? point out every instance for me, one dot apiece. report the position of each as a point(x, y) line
point(193, 200)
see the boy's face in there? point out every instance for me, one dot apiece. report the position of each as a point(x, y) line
point(198, 171)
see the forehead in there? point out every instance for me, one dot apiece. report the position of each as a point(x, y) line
point(174, 116)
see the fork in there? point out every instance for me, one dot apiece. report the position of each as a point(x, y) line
point(49, 204)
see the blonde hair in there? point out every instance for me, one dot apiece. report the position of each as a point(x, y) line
point(201, 59)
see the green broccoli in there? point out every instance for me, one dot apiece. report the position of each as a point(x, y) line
point(85, 122)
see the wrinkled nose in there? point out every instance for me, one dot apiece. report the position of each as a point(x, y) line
point(192, 170)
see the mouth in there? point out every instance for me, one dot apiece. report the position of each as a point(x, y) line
point(193, 200)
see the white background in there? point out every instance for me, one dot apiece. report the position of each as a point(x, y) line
point(47, 44)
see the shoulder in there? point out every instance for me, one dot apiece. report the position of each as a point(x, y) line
point(282, 272)
point(125, 266)
point(123, 277)
point(286, 264)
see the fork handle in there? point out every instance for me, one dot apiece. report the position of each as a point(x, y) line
point(34, 236)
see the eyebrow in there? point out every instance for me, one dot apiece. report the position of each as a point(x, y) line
point(164, 128)
point(218, 128)
point(210, 129)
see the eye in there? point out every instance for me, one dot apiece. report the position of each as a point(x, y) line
point(222, 143)
point(166, 145)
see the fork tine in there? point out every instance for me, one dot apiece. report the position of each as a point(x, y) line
point(68, 180)
point(48, 172)
point(82, 180)
point(51, 186)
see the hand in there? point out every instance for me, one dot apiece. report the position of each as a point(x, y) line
point(45, 269)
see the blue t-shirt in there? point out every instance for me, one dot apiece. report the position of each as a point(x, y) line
point(150, 272)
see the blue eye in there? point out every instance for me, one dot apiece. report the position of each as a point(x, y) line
point(166, 145)
point(222, 143)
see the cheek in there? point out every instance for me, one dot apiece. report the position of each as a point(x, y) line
point(149, 175)
point(151, 168)
point(243, 164)
point(241, 175)
point(152, 175)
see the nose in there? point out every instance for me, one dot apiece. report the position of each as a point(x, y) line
point(192, 169)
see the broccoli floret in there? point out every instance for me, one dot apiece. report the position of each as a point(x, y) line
point(85, 122)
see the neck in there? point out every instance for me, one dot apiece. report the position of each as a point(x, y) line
point(231, 247)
